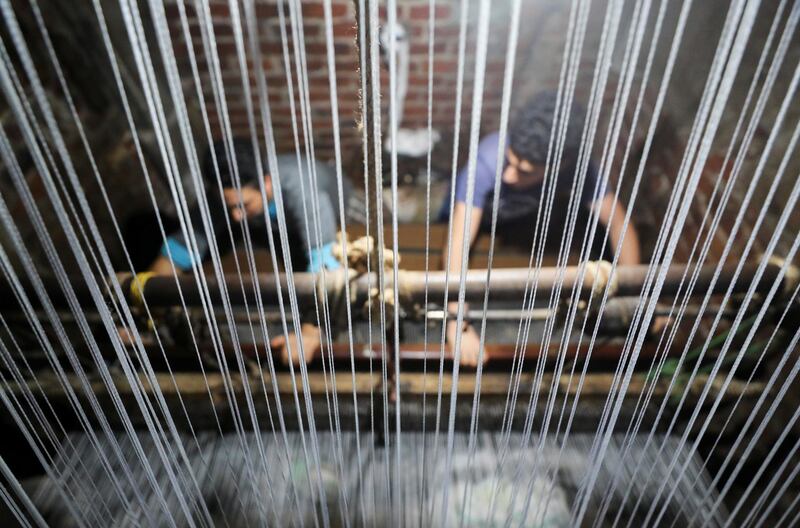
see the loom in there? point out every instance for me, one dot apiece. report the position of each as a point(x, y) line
point(658, 394)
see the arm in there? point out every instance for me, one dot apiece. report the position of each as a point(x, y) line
point(299, 206)
point(320, 249)
point(319, 257)
point(469, 341)
point(288, 347)
point(175, 253)
point(612, 216)
point(457, 235)
point(483, 185)
point(162, 266)
point(302, 202)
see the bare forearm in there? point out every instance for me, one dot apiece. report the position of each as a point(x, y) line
point(612, 214)
point(629, 253)
point(309, 327)
point(162, 266)
point(454, 267)
point(458, 235)
point(456, 245)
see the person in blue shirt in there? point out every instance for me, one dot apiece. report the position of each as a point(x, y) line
point(310, 248)
point(518, 202)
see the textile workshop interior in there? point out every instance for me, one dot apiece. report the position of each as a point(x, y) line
point(336, 263)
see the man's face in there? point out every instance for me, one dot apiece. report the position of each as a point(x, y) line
point(248, 202)
point(521, 172)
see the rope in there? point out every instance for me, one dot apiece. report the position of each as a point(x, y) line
point(356, 255)
point(602, 276)
point(358, 251)
point(792, 277)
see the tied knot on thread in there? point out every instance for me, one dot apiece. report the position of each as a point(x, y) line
point(791, 278)
point(357, 254)
point(360, 251)
point(601, 273)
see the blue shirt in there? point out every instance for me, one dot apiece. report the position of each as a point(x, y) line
point(515, 203)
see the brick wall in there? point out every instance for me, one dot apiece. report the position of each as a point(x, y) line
point(538, 63)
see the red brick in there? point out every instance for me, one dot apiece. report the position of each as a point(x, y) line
point(172, 12)
point(316, 47)
point(418, 80)
point(311, 30)
point(439, 47)
point(495, 67)
point(445, 66)
point(319, 94)
point(345, 29)
point(218, 10)
point(317, 10)
point(422, 12)
point(417, 111)
point(275, 48)
point(222, 29)
point(267, 10)
point(447, 32)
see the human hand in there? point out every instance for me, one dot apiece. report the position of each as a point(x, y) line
point(659, 324)
point(126, 336)
point(470, 344)
point(290, 344)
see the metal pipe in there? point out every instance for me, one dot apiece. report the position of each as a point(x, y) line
point(411, 353)
point(505, 284)
point(537, 314)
